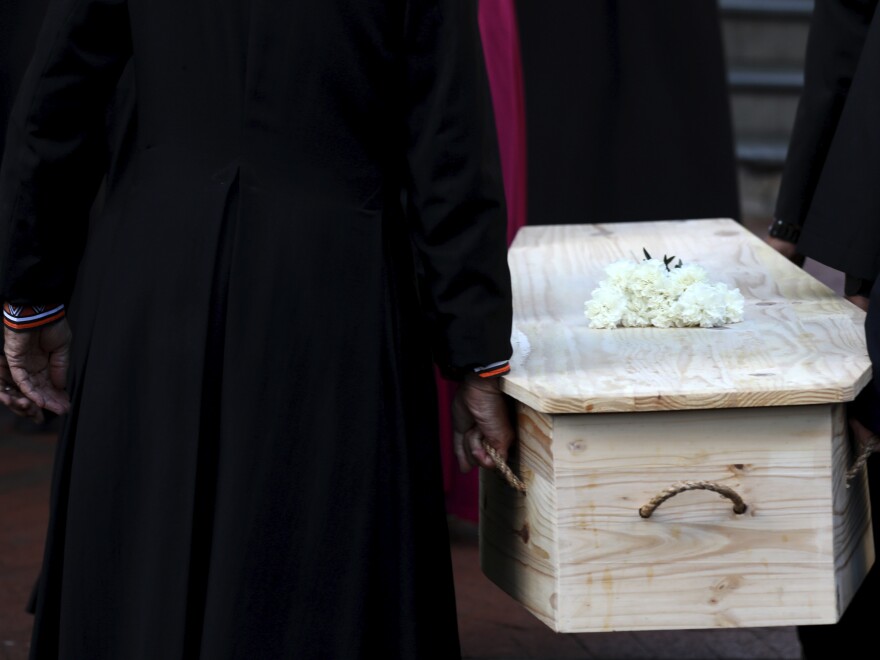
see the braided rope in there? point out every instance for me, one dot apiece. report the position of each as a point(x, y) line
point(738, 505)
point(514, 481)
point(869, 448)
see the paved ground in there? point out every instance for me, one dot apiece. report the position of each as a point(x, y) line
point(25, 466)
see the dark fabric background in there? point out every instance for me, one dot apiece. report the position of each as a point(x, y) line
point(627, 111)
point(19, 23)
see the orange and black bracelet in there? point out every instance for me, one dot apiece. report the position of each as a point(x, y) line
point(27, 317)
point(491, 370)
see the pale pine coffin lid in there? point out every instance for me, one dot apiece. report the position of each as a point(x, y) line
point(799, 343)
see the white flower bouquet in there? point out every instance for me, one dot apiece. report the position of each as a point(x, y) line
point(651, 293)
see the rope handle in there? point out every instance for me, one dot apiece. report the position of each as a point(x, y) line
point(647, 510)
point(739, 506)
point(515, 482)
point(867, 448)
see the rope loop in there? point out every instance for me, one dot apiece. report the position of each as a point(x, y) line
point(868, 448)
point(515, 482)
point(739, 506)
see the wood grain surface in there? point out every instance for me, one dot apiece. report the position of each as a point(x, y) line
point(576, 553)
point(798, 344)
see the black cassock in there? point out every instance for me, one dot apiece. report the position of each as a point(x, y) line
point(627, 111)
point(19, 22)
point(314, 205)
point(830, 182)
point(831, 188)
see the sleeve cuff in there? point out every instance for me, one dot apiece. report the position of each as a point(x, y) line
point(785, 231)
point(23, 317)
point(492, 370)
point(857, 286)
point(866, 407)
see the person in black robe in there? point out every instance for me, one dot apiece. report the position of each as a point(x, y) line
point(828, 209)
point(627, 111)
point(20, 21)
point(312, 209)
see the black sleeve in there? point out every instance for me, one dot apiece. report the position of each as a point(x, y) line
point(55, 152)
point(866, 406)
point(838, 30)
point(456, 194)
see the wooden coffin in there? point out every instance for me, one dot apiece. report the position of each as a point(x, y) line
point(610, 419)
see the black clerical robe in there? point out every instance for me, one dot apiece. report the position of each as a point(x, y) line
point(19, 23)
point(829, 186)
point(312, 207)
point(831, 189)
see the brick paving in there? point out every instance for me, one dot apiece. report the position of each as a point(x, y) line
point(25, 471)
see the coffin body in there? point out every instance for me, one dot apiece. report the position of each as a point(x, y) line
point(609, 419)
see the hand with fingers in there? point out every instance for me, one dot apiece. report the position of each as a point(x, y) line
point(782, 236)
point(479, 412)
point(35, 369)
point(787, 249)
point(12, 398)
point(859, 301)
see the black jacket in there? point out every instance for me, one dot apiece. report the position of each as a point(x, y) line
point(831, 182)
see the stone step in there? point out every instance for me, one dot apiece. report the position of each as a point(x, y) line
point(765, 42)
point(758, 115)
point(766, 81)
point(765, 33)
point(761, 154)
point(758, 190)
point(767, 8)
point(764, 103)
point(781, 9)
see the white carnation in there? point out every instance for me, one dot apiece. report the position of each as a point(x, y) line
point(701, 304)
point(734, 305)
point(644, 294)
point(606, 308)
point(619, 273)
point(681, 278)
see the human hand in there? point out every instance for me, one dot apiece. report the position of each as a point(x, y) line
point(786, 249)
point(12, 398)
point(479, 411)
point(859, 301)
point(38, 360)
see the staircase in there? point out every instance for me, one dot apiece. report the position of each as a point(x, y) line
point(765, 41)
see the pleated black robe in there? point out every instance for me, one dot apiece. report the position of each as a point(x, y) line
point(313, 206)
